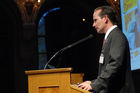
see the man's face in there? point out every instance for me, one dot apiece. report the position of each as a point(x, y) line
point(98, 22)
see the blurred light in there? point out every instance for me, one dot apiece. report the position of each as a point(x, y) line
point(115, 0)
point(84, 19)
point(38, 1)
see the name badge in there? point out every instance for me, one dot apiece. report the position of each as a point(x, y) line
point(101, 60)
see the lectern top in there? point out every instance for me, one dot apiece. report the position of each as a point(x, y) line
point(58, 70)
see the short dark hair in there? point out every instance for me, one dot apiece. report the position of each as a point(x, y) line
point(109, 11)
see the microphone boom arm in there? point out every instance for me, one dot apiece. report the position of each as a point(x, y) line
point(67, 47)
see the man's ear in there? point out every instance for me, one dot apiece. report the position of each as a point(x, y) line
point(106, 18)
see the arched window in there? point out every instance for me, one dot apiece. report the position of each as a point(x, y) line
point(41, 33)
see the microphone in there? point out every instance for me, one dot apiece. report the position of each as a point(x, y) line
point(67, 47)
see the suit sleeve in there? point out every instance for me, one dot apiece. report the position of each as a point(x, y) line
point(114, 64)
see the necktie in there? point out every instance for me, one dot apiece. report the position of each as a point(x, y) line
point(103, 42)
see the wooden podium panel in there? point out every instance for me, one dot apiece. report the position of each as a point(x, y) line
point(76, 78)
point(49, 90)
point(50, 81)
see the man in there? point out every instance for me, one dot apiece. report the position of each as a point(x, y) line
point(114, 63)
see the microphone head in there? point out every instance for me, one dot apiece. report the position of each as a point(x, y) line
point(90, 36)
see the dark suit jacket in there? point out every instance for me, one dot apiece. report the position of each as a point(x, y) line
point(114, 74)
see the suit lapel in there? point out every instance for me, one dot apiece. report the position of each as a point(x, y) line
point(108, 39)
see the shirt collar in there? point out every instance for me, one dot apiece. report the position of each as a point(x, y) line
point(109, 30)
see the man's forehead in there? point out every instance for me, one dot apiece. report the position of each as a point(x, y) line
point(97, 12)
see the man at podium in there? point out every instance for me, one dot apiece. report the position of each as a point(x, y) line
point(114, 74)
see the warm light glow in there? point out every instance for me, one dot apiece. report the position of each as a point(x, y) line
point(115, 0)
point(38, 1)
point(84, 19)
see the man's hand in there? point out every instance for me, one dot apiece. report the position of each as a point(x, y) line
point(85, 85)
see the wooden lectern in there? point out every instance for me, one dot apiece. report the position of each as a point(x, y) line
point(51, 81)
